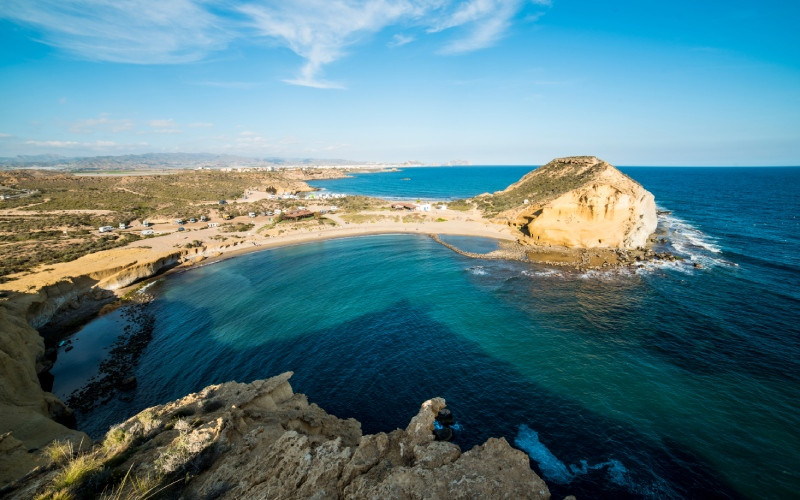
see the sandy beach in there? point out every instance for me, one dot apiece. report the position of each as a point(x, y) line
point(215, 244)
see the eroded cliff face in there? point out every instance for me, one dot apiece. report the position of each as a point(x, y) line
point(29, 416)
point(579, 202)
point(261, 440)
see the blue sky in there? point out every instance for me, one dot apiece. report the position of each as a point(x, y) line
point(490, 81)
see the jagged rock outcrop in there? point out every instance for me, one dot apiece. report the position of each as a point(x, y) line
point(261, 440)
point(576, 202)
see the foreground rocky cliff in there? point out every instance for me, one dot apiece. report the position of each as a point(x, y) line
point(261, 440)
point(30, 417)
point(576, 202)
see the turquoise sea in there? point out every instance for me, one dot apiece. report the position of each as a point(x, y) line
point(661, 382)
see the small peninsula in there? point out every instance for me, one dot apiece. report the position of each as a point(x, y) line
point(577, 211)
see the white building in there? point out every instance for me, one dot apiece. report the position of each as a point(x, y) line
point(106, 229)
point(148, 232)
point(425, 207)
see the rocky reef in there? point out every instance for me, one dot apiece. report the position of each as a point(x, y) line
point(261, 440)
point(576, 202)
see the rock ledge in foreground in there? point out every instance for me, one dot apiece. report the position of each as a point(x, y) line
point(261, 440)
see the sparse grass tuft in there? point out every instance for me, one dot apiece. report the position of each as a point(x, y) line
point(59, 452)
point(55, 495)
point(410, 219)
point(148, 420)
point(115, 438)
point(239, 227)
point(460, 205)
point(77, 471)
point(362, 218)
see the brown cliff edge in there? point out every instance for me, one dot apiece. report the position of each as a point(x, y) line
point(261, 440)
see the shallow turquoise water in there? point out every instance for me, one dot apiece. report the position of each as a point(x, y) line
point(664, 382)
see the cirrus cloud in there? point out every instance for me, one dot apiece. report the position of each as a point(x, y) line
point(319, 31)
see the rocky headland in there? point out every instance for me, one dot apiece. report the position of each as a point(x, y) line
point(261, 440)
point(577, 210)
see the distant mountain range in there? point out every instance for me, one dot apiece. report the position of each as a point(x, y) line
point(160, 161)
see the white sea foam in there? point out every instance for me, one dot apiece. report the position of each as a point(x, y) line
point(556, 471)
point(607, 274)
point(546, 273)
point(683, 240)
point(477, 270)
point(142, 290)
point(691, 243)
point(552, 468)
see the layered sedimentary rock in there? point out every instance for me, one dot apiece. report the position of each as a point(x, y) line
point(261, 440)
point(577, 202)
point(29, 416)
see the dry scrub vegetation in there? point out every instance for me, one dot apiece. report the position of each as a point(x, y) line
point(39, 231)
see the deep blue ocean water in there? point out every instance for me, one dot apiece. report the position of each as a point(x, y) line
point(431, 183)
point(662, 382)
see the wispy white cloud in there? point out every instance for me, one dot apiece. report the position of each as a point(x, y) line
point(162, 123)
point(129, 31)
point(3, 136)
point(485, 22)
point(162, 126)
point(103, 123)
point(319, 31)
point(200, 125)
point(399, 40)
point(72, 144)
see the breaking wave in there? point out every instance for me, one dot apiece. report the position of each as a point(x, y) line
point(477, 270)
point(556, 471)
point(689, 242)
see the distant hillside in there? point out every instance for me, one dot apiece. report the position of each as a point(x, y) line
point(158, 161)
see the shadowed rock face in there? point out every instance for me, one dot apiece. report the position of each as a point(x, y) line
point(578, 202)
point(261, 440)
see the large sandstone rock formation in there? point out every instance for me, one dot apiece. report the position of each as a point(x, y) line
point(260, 440)
point(577, 202)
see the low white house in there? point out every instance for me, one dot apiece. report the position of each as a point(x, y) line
point(252, 214)
point(106, 229)
point(212, 224)
point(425, 207)
point(122, 225)
point(148, 232)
